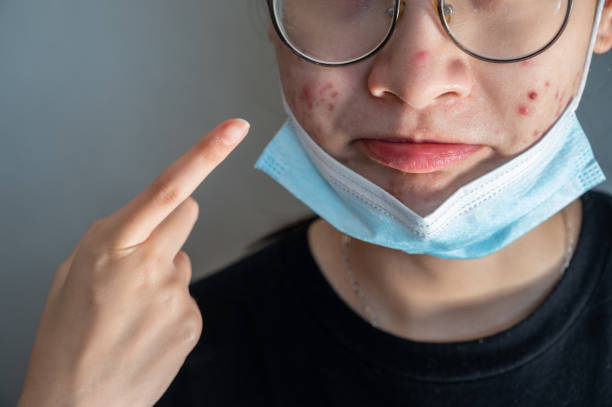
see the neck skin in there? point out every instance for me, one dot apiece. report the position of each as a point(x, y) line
point(425, 298)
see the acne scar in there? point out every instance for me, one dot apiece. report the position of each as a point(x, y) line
point(533, 95)
point(547, 84)
point(525, 110)
point(536, 133)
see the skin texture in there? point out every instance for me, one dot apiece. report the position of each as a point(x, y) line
point(422, 87)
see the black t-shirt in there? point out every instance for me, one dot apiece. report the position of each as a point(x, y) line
point(277, 334)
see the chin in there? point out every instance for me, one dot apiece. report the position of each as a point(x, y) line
point(424, 192)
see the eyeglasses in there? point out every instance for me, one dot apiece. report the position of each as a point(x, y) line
point(342, 32)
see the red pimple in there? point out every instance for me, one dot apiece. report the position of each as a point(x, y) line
point(333, 95)
point(420, 57)
point(533, 95)
point(330, 107)
point(525, 110)
point(527, 62)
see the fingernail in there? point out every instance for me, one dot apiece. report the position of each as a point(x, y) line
point(236, 131)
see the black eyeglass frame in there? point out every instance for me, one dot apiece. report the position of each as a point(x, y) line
point(396, 13)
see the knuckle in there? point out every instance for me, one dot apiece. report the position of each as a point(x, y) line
point(152, 268)
point(165, 192)
point(183, 260)
point(95, 258)
point(192, 325)
point(93, 242)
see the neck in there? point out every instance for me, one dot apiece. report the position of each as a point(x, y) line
point(425, 298)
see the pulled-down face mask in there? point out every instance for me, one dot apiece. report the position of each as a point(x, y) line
point(480, 218)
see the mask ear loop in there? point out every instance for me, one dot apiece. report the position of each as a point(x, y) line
point(576, 101)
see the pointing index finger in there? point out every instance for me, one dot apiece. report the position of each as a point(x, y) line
point(133, 223)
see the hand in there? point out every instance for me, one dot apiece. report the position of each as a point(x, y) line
point(119, 322)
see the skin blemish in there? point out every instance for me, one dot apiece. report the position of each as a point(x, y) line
point(547, 84)
point(525, 110)
point(333, 95)
point(420, 57)
point(533, 95)
point(306, 96)
point(330, 107)
point(527, 62)
point(557, 95)
point(327, 86)
point(536, 133)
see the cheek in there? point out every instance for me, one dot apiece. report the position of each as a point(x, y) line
point(538, 106)
point(315, 104)
point(317, 98)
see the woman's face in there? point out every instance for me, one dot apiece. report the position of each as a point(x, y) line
point(421, 88)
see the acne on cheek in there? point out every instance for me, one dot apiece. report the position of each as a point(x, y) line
point(560, 100)
point(314, 98)
point(306, 96)
point(528, 108)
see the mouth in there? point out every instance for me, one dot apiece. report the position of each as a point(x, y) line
point(417, 157)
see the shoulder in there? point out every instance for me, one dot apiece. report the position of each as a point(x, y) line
point(599, 197)
point(596, 238)
point(597, 205)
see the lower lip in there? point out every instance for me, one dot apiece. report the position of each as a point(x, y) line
point(418, 157)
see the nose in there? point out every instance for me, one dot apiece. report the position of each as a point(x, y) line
point(420, 65)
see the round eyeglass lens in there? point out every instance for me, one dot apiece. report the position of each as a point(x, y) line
point(335, 31)
point(504, 29)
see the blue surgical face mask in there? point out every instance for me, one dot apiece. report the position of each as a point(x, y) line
point(480, 218)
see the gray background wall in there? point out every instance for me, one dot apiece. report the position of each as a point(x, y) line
point(98, 97)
